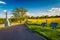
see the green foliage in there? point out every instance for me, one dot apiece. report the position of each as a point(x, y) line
point(12, 20)
point(2, 20)
point(41, 17)
point(16, 12)
point(53, 34)
point(19, 14)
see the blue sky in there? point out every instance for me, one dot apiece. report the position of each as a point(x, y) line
point(33, 6)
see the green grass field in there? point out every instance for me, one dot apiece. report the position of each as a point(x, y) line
point(48, 32)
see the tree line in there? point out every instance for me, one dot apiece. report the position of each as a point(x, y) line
point(39, 17)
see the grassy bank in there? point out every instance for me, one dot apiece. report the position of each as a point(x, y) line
point(4, 27)
point(52, 34)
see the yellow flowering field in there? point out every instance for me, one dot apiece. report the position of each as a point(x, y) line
point(48, 20)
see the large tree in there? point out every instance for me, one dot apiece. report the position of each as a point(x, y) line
point(23, 12)
point(16, 12)
point(19, 13)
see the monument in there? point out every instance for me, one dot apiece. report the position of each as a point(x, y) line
point(6, 19)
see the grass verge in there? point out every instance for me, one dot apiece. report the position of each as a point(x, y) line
point(46, 32)
point(4, 27)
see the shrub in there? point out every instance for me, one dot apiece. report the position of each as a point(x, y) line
point(43, 24)
point(2, 20)
point(53, 24)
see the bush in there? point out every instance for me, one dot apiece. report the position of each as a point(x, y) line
point(53, 24)
point(43, 24)
point(2, 20)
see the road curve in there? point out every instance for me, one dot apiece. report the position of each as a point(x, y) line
point(19, 32)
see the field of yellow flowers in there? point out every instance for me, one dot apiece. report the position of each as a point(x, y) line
point(46, 20)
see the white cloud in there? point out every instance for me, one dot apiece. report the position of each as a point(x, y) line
point(3, 16)
point(54, 11)
point(9, 15)
point(30, 14)
point(5, 10)
point(1, 2)
point(51, 12)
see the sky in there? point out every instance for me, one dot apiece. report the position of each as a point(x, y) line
point(34, 7)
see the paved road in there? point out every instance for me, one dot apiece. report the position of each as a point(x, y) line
point(19, 32)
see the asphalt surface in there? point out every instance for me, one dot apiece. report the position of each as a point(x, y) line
point(19, 32)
